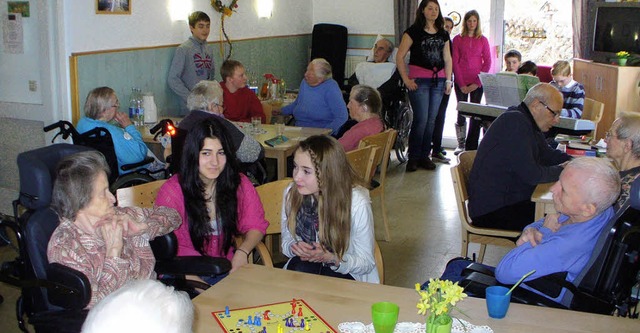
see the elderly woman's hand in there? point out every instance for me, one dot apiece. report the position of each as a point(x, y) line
point(123, 119)
point(111, 230)
point(131, 226)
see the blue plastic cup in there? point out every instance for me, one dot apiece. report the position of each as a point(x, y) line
point(497, 301)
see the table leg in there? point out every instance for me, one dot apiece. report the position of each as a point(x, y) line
point(282, 165)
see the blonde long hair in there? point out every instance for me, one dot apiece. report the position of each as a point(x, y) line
point(465, 30)
point(336, 179)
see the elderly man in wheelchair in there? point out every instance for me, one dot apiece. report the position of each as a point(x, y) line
point(584, 258)
point(383, 75)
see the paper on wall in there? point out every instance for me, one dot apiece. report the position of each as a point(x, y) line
point(12, 34)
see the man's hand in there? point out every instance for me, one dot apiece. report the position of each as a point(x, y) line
point(531, 236)
point(123, 119)
point(551, 222)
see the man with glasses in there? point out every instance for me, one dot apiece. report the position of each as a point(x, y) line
point(512, 159)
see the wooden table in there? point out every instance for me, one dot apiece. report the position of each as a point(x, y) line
point(279, 152)
point(282, 151)
point(544, 200)
point(338, 301)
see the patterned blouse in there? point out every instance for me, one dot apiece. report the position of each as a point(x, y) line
point(626, 177)
point(86, 253)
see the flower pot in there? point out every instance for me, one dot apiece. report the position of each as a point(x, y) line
point(439, 324)
point(622, 62)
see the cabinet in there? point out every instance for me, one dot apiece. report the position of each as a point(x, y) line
point(615, 86)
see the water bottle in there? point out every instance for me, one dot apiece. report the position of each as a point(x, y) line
point(139, 109)
point(133, 105)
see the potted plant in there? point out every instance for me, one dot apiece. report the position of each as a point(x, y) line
point(439, 298)
point(622, 57)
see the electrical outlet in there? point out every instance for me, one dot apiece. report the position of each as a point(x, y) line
point(33, 85)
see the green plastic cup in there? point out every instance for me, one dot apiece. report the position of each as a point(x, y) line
point(384, 316)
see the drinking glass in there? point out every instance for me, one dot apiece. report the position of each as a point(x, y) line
point(384, 316)
point(256, 123)
point(497, 301)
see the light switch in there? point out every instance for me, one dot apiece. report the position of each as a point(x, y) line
point(33, 85)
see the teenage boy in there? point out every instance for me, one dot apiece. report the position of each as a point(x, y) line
point(512, 60)
point(240, 103)
point(193, 60)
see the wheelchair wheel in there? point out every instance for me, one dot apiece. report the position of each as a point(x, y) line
point(129, 180)
point(403, 126)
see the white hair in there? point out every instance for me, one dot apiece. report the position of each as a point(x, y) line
point(141, 306)
point(601, 181)
point(203, 94)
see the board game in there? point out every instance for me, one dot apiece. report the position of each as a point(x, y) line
point(283, 317)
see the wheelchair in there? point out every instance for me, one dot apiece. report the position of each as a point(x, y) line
point(610, 282)
point(100, 139)
point(398, 114)
point(53, 296)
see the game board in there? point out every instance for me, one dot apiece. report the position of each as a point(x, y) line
point(284, 317)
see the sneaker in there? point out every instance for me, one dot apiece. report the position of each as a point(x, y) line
point(439, 157)
point(444, 152)
point(427, 163)
point(458, 151)
point(412, 165)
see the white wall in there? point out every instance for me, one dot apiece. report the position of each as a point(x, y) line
point(359, 16)
point(150, 24)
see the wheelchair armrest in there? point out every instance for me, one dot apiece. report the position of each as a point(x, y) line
point(475, 267)
point(69, 288)
point(132, 166)
point(193, 265)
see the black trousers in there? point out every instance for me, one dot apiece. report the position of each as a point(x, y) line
point(473, 134)
point(513, 217)
point(296, 264)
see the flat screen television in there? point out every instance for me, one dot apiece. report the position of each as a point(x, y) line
point(616, 28)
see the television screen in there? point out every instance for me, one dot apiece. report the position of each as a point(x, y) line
point(617, 29)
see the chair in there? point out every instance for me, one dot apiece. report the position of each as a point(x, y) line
point(379, 262)
point(385, 142)
point(271, 195)
point(593, 111)
point(544, 74)
point(471, 234)
point(361, 161)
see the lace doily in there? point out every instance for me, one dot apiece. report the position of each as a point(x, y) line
point(406, 327)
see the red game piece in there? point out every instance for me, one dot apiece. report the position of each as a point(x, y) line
point(293, 306)
point(265, 315)
point(300, 311)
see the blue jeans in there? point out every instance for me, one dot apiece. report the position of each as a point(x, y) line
point(425, 102)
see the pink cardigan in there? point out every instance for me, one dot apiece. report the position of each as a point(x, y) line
point(250, 216)
point(351, 138)
point(470, 57)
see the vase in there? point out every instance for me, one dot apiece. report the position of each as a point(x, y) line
point(439, 324)
point(622, 62)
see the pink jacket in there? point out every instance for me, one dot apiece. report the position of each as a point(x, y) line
point(250, 216)
point(351, 138)
point(470, 57)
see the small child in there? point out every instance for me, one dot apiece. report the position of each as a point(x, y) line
point(512, 60)
point(528, 68)
point(572, 91)
point(193, 60)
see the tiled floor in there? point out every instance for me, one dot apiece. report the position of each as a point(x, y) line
point(425, 232)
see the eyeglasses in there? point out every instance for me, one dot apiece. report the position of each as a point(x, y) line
point(609, 135)
point(117, 105)
point(556, 114)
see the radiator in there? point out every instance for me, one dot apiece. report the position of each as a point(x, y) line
point(351, 63)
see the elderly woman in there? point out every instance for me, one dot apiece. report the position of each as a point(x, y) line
point(623, 147)
point(101, 110)
point(319, 103)
point(206, 101)
point(110, 245)
point(364, 107)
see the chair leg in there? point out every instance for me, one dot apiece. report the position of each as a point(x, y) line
point(385, 220)
point(483, 248)
point(464, 247)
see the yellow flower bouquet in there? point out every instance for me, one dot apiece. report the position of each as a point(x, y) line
point(622, 55)
point(439, 299)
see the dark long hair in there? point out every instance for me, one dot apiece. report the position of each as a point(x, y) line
point(421, 21)
point(193, 188)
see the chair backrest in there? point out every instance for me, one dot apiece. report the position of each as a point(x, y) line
point(384, 141)
point(272, 198)
point(139, 195)
point(460, 174)
point(361, 160)
point(593, 110)
point(100, 139)
point(544, 74)
point(37, 172)
point(379, 262)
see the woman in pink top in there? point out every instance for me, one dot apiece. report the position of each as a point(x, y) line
point(364, 107)
point(471, 55)
point(216, 202)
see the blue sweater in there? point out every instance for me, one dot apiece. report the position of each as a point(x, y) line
point(573, 95)
point(321, 106)
point(127, 142)
point(567, 250)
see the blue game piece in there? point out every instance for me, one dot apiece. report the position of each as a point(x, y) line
point(249, 321)
point(256, 321)
point(226, 311)
point(302, 323)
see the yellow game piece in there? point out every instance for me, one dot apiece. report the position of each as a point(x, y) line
point(307, 326)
